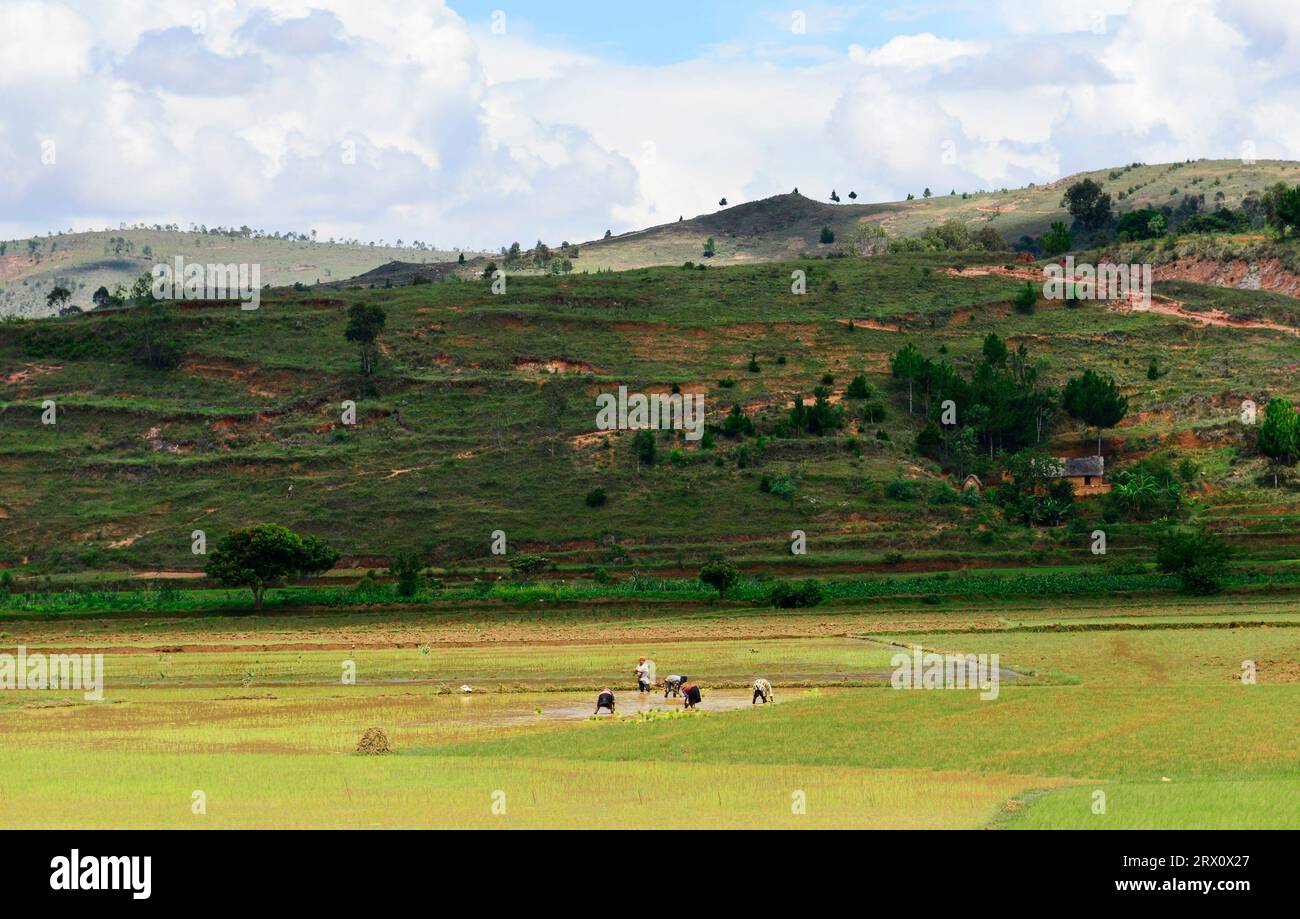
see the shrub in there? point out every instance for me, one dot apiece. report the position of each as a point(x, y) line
point(900, 490)
point(1199, 559)
point(737, 423)
point(407, 568)
point(873, 412)
point(1025, 300)
point(858, 388)
point(791, 595)
point(944, 494)
point(783, 487)
point(643, 445)
point(720, 575)
point(525, 565)
point(596, 497)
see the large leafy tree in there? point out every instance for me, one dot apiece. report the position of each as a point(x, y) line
point(1282, 205)
point(1088, 204)
point(1095, 399)
point(1279, 435)
point(264, 555)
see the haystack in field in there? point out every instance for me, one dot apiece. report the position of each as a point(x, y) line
point(374, 740)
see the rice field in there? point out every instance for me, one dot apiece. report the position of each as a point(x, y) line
point(217, 723)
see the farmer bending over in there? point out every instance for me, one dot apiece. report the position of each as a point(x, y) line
point(762, 690)
point(673, 685)
point(604, 700)
point(691, 694)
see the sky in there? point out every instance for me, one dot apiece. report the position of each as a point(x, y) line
point(476, 124)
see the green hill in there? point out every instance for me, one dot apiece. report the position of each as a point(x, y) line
point(481, 417)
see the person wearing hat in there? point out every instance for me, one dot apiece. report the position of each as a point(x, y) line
point(643, 676)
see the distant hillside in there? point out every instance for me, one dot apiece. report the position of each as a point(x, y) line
point(83, 262)
point(785, 226)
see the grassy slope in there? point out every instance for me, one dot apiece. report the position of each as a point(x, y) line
point(81, 262)
point(785, 226)
point(455, 430)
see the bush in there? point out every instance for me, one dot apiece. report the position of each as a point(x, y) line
point(1025, 300)
point(944, 494)
point(596, 497)
point(791, 595)
point(407, 568)
point(1198, 558)
point(643, 445)
point(525, 565)
point(720, 575)
point(858, 388)
point(900, 490)
point(782, 486)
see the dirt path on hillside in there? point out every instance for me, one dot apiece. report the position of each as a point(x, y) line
point(1165, 306)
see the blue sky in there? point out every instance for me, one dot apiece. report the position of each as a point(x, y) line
point(419, 119)
point(673, 31)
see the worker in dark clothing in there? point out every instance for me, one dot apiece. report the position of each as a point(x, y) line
point(691, 695)
point(604, 700)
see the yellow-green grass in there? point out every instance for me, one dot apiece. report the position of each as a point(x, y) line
point(1127, 711)
point(1221, 803)
point(124, 789)
point(1156, 657)
point(814, 661)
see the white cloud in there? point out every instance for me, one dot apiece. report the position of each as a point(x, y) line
point(41, 42)
point(914, 52)
point(465, 137)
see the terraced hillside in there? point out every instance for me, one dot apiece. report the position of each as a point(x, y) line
point(481, 417)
